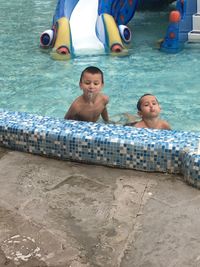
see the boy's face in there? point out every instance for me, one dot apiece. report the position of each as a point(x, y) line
point(91, 84)
point(149, 107)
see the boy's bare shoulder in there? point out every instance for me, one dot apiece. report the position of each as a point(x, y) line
point(105, 98)
point(140, 124)
point(78, 101)
point(165, 125)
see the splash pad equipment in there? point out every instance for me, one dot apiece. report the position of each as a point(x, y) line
point(89, 24)
point(184, 26)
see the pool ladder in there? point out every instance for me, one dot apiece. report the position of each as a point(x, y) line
point(194, 35)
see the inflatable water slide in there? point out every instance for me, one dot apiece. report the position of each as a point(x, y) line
point(80, 25)
point(184, 26)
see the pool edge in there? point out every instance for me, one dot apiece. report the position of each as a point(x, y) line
point(103, 144)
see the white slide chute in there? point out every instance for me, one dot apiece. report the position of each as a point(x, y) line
point(82, 22)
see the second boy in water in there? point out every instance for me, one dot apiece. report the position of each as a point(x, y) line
point(149, 111)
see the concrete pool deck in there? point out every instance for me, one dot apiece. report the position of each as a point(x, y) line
point(59, 214)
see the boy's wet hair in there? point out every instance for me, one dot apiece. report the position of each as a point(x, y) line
point(140, 101)
point(92, 70)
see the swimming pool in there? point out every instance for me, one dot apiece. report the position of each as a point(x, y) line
point(32, 82)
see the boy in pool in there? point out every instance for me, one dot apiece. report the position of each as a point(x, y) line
point(91, 104)
point(149, 110)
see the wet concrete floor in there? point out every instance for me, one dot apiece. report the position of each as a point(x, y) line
point(65, 214)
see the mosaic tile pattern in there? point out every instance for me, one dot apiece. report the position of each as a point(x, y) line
point(105, 144)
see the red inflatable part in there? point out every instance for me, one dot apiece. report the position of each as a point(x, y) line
point(174, 16)
point(63, 50)
point(116, 48)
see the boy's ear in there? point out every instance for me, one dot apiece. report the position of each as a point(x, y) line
point(80, 85)
point(139, 113)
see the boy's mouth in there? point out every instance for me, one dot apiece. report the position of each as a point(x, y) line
point(90, 95)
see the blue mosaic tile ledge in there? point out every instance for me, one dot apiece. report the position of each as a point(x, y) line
point(105, 144)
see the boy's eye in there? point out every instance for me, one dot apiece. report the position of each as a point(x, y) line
point(89, 82)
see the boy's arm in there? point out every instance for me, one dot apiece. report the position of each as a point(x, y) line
point(70, 115)
point(104, 115)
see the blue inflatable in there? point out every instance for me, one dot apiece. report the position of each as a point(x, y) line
point(181, 23)
point(82, 25)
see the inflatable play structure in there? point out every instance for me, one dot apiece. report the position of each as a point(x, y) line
point(89, 24)
point(100, 25)
point(184, 26)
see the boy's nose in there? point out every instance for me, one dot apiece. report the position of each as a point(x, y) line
point(91, 87)
point(151, 107)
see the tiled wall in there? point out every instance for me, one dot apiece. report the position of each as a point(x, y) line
point(106, 144)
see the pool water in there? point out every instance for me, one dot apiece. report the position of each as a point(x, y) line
point(31, 81)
